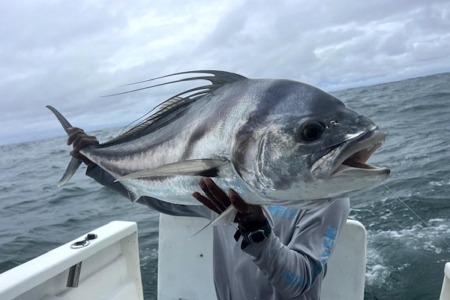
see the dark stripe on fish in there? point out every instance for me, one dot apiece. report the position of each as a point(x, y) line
point(214, 172)
point(193, 140)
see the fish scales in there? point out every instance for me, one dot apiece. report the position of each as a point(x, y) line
point(198, 133)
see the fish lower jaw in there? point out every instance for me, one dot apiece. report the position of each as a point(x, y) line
point(354, 157)
point(360, 169)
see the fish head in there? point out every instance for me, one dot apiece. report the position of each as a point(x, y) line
point(307, 146)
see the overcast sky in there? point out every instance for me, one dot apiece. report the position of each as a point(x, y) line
point(70, 53)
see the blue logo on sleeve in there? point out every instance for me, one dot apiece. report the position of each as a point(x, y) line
point(283, 212)
point(327, 244)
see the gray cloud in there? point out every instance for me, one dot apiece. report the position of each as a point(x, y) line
point(68, 54)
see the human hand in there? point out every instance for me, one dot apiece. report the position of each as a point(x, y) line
point(80, 140)
point(249, 217)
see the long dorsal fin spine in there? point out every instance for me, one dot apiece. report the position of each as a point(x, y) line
point(217, 76)
point(177, 102)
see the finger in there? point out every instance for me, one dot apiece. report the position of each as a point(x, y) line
point(77, 155)
point(238, 202)
point(74, 128)
point(205, 201)
point(220, 204)
point(83, 158)
point(249, 216)
point(74, 133)
point(83, 141)
point(205, 189)
point(217, 193)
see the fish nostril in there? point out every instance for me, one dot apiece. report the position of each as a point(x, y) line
point(334, 122)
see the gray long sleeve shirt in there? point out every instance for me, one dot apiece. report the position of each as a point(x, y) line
point(290, 264)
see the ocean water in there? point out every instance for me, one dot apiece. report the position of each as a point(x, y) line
point(406, 253)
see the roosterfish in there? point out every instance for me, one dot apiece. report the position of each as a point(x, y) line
point(274, 141)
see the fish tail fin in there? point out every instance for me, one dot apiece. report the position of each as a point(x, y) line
point(65, 124)
point(227, 217)
point(70, 170)
point(74, 163)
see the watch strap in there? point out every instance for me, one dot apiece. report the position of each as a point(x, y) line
point(254, 236)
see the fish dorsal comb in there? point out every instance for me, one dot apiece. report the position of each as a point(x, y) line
point(217, 79)
point(175, 103)
point(165, 108)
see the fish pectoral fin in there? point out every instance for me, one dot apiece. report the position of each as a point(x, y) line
point(228, 215)
point(134, 197)
point(192, 167)
point(225, 218)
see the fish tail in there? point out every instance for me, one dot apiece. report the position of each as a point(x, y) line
point(65, 124)
point(74, 163)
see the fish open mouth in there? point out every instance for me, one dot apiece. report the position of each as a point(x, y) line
point(351, 156)
point(356, 153)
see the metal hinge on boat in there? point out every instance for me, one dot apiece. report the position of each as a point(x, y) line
point(75, 270)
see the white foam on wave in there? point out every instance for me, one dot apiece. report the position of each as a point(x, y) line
point(440, 183)
point(417, 237)
point(377, 274)
point(437, 220)
point(377, 271)
point(437, 230)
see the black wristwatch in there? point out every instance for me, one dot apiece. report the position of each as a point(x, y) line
point(255, 236)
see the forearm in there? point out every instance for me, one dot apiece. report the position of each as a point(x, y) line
point(290, 272)
point(292, 258)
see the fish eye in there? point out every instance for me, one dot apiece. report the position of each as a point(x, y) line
point(311, 131)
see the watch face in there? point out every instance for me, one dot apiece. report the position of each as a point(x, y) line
point(257, 236)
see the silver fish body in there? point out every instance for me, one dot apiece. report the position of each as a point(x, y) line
point(276, 142)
